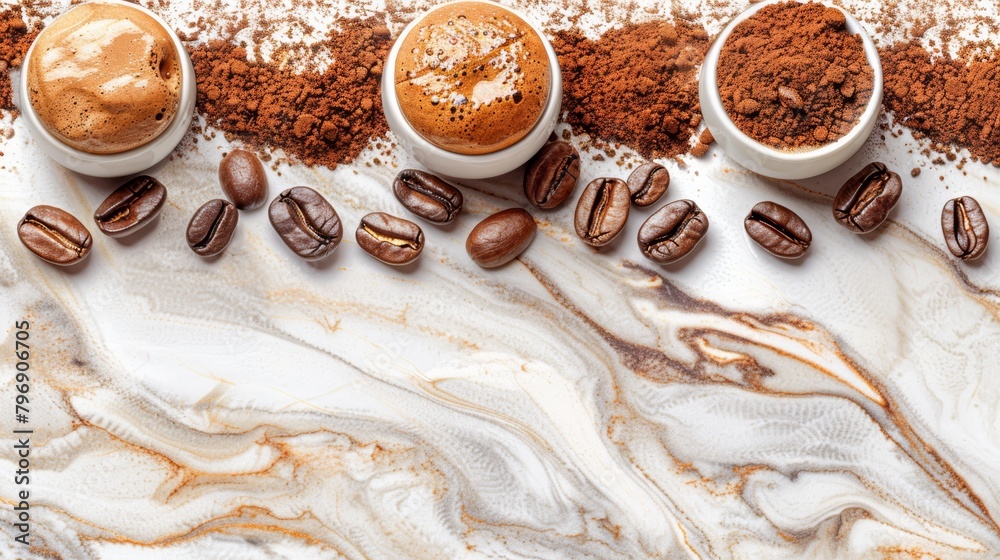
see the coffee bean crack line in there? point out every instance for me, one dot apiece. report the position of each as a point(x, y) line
point(383, 238)
point(558, 178)
point(300, 218)
point(210, 235)
point(60, 238)
point(429, 193)
point(963, 227)
point(646, 185)
point(780, 230)
point(670, 236)
point(598, 211)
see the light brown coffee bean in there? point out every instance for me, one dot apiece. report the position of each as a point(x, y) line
point(212, 226)
point(54, 235)
point(648, 183)
point(966, 231)
point(602, 211)
point(243, 180)
point(500, 238)
point(390, 239)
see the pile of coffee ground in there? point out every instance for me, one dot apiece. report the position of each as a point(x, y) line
point(636, 85)
point(323, 118)
point(15, 38)
point(949, 101)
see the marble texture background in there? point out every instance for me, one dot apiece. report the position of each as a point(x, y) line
point(573, 404)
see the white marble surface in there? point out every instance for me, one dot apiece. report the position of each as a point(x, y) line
point(573, 404)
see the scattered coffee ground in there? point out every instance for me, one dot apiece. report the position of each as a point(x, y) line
point(636, 85)
point(704, 141)
point(791, 76)
point(322, 118)
point(15, 38)
point(949, 101)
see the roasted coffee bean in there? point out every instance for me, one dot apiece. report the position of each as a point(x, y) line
point(54, 235)
point(551, 175)
point(790, 98)
point(778, 230)
point(390, 239)
point(672, 232)
point(602, 211)
point(243, 180)
point(648, 183)
point(306, 222)
point(131, 206)
point(212, 226)
point(501, 237)
point(965, 228)
point(866, 198)
point(427, 196)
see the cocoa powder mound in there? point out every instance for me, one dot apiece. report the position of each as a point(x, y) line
point(324, 118)
point(636, 85)
point(15, 38)
point(792, 76)
point(948, 100)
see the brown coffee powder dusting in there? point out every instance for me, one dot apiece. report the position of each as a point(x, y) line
point(15, 38)
point(947, 100)
point(635, 85)
point(322, 118)
point(791, 76)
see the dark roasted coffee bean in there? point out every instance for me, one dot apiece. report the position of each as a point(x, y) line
point(648, 183)
point(390, 239)
point(243, 180)
point(131, 206)
point(672, 232)
point(501, 237)
point(306, 222)
point(602, 211)
point(866, 198)
point(778, 230)
point(212, 226)
point(427, 196)
point(54, 235)
point(551, 175)
point(965, 228)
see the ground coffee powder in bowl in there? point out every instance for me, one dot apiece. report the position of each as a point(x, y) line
point(791, 90)
point(792, 77)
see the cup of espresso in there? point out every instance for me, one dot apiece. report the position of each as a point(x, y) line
point(471, 89)
point(107, 89)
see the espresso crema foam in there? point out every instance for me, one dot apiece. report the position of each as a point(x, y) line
point(104, 78)
point(472, 78)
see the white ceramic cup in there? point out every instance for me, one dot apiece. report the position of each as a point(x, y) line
point(464, 166)
point(123, 163)
point(766, 160)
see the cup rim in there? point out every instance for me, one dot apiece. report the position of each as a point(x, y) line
point(550, 111)
point(862, 126)
point(120, 163)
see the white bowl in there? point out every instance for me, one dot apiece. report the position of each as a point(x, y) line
point(464, 166)
point(124, 163)
point(766, 160)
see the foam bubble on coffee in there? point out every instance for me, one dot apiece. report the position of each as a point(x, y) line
point(472, 77)
point(105, 78)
